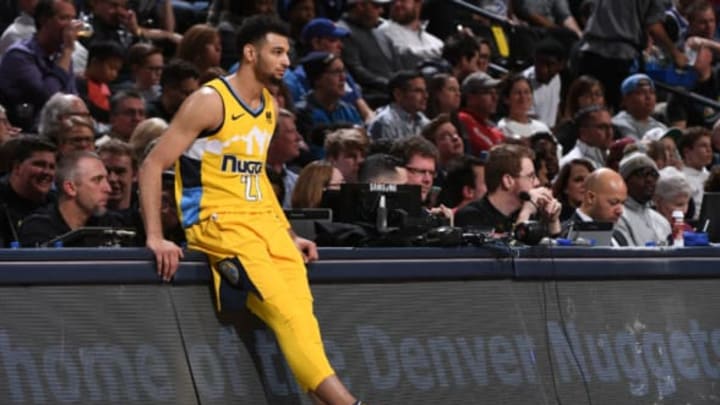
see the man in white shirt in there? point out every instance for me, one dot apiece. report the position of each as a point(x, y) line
point(408, 36)
point(544, 76)
point(595, 134)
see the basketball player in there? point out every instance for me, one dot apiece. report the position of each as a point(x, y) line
point(218, 141)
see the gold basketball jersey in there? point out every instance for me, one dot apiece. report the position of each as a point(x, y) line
point(223, 171)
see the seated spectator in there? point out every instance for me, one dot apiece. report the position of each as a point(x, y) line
point(569, 185)
point(74, 133)
point(382, 168)
point(594, 136)
point(603, 197)
point(83, 190)
point(446, 138)
point(179, 80)
point(28, 186)
point(146, 132)
point(297, 13)
point(322, 35)
point(617, 152)
point(696, 152)
point(346, 149)
point(282, 96)
point(411, 42)
point(366, 44)
point(669, 138)
point(701, 19)
point(584, 91)
point(59, 108)
point(443, 95)
point(7, 130)
point(683, 112)
point(31, 71)
point(323, 105)
point(313, 180)
point(479, 104)
point(672, 193)
point(464, 182)
point(547, 166)
point(544, 77)
point(638, 101)
point(466, 54)
point(419, 156)
point(404, 116)
point(121, 174)
point(127, 110)
point(200, 45)
point(114, 21)
point(105, 59)
point(639, 223)
point(511, 179)
point(23, 27)
point(656, 151)
point(146, 66)
point(284, 147)
point(518, 97)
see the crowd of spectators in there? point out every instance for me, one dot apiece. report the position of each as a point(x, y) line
point(560, 129)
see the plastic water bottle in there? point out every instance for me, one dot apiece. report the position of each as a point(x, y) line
point(678, 226)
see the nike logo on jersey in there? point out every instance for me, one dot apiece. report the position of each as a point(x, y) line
point(236, 117)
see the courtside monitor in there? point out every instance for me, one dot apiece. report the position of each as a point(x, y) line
point(710, 216)
point(358, 203)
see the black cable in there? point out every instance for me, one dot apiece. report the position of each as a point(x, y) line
point(185, 349)
point(513, 265)
point(563, 326)
point(548, 345)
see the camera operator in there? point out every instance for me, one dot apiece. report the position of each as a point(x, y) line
point(513, 195)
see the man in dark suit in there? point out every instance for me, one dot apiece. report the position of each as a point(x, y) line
point(605, 195)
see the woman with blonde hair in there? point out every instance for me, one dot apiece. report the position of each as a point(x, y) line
point(313, 180)
point(146, 132)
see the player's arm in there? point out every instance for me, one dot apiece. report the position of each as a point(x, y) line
point(307, 248)
point(202, 110)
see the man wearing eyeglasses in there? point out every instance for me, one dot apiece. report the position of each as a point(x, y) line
point(513, 195)
point(324, 104)
point(640, 224)
point(420, 159)
point(595, 134)
point(127, 111)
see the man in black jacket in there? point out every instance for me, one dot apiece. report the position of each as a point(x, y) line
point(83, 188)
point(28, 185)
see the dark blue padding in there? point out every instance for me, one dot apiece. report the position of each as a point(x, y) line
point(51, 266)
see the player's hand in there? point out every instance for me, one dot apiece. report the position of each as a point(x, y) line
point(167, 257)
point(307, 247)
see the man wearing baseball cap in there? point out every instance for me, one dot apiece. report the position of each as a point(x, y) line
point(479, 99)
point(323, 104)
point(640, 224)
point(638, 101)
point(368, 55)
point(323, 35)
